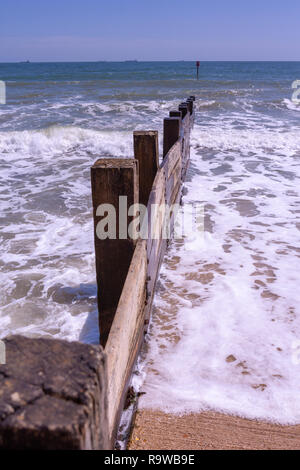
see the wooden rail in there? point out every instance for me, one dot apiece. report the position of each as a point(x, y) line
point(127, 269)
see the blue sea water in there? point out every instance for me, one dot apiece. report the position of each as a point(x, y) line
point(233, 296)
point(45, 94)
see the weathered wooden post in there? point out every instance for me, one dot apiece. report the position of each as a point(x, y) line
point(183, 107)
point(146, 152)
point(111, 179)
point(172, 127)
point(190, 104)
point(176, 114)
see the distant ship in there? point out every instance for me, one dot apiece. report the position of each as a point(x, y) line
point(131, 61)
point(25, 62)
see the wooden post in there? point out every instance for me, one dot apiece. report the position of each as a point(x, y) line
point(112, 178)
point(198, 65)
point(190, 104)
point(146, 152)
point(176, 114)
point(172, 127)
point(183, 107)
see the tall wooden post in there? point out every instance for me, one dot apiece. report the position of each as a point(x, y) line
point(112, 178)
point(172, 127)
point(146, 152)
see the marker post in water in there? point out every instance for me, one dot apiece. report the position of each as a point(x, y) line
point(198, 66)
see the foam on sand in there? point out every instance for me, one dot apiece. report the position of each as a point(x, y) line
point(226, 324)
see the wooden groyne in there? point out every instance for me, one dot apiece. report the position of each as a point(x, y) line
point(60, 395)
point(129, 268)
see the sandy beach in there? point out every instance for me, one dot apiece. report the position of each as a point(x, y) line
point(154, 430)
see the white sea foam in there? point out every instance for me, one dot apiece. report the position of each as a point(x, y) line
point(291, 104)
point(227, 316)
point(47, 251)
point(46, 255)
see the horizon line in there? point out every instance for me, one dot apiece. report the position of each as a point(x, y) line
point(28, 61)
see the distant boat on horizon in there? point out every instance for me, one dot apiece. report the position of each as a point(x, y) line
point(25, 62)
point(131, 61)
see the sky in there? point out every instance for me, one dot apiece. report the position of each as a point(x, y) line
point(91, 30)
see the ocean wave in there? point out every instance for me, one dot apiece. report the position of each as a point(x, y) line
point(256, 137)
point(63, 141)
point(291, 104)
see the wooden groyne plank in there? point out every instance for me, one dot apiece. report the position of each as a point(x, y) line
point(125, 336)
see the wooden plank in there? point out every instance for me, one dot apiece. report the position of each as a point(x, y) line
point(157, 197)
point(173, 183)
point(146, 152)
point(112, 178)
point(171, 159)
point(125, 336)
point(186, 126)
point(169, 177)
point(154, 263)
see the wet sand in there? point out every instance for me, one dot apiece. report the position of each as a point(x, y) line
point(154, 430)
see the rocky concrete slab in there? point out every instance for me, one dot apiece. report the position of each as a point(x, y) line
point(52, 395)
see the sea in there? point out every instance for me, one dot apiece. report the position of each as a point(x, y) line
point(225, 330)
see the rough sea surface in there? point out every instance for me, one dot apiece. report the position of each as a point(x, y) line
point(225, 333)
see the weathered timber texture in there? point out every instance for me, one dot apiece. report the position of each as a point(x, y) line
point(164, 194)
point(112, 178)
point(53, 395)
point(126, 335)
point(190, 103)
point(172, 167)
point(183, 107)
point(172, 127)
point(146, 152)
point(157, 200)
point(187, 124)
point(177, 114)
point(172, 158)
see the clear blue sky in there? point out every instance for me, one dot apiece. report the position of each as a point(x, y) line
point(50, 30)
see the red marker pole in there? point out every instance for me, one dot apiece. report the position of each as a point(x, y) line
point(197, 65)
